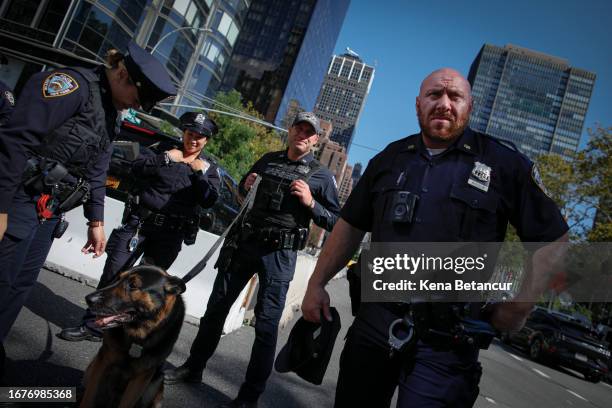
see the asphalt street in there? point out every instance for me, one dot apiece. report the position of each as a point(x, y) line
point(36, 357)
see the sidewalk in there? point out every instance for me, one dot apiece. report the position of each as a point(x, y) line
point(36, 357)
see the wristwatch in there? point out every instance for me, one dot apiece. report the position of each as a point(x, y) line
point(95, 223)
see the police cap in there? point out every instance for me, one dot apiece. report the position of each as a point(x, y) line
point(310, 118)
point(309, 348)
point(149, 76)
point(199, 123)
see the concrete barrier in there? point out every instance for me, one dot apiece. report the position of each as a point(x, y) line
point(66, 258)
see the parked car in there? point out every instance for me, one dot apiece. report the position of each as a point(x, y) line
point(561, 339)
point(134, 138)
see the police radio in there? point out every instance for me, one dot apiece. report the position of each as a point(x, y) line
point(403, 206)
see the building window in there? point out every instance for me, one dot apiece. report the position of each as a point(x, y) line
point(22, 11)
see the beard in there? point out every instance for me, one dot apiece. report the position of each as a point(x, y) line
point(446, 134)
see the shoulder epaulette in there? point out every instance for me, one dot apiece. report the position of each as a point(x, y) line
point(506, 143)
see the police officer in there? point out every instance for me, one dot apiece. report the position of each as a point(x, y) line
point(175, 184)
point(438, 165)
point(54, 154)
point(294, 189)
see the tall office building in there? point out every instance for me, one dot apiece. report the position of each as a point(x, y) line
point(193, 38)
point(532, 99)
point(343, 95)
point(281, 54)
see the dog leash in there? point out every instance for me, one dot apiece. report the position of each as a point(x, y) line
point(247, 203)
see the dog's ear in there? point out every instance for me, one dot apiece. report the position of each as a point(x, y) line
point(174, 285)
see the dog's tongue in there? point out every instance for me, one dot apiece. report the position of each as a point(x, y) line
point(103, 321)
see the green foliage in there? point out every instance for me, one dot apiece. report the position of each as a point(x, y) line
point(582, 187)
point(239, 142)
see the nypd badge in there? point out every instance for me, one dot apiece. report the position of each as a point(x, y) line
point(480, 178)
point(537, 179)
point(199, 119)
point(303, 169)
point(59, 84)
point(9, 97)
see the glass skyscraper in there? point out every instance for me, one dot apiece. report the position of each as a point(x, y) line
point(532, 99)
point(193, 38)
point(343, 94)
point(280, 56)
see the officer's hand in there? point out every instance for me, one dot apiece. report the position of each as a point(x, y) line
point(199, 165)
point(511, 316)
point(96, 241)
point(300, 189)
point(175, 155)
point(3, 223)
point(248, 183)
point(316, 300)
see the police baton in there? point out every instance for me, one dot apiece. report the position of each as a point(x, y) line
point(246, 205)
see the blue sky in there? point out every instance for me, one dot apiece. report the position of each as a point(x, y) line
point(406, 40)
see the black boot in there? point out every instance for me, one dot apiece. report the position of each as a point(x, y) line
point(181, 374)
point(79, 333)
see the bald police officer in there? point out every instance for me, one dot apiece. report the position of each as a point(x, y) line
point(294, 189)
point(436, 165)
point(54, 154)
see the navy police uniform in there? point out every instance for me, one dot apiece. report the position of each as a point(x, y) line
point(60, 134)
point(450, 208)
point(7, 102)
point(267, 244)
point(162, 215)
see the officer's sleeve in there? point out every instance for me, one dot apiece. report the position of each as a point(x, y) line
point(93, 209)
point(207, 186)
point(535, 215)
point(34, 117)
point(149, 165)
point(326, 208)
point(357, 210)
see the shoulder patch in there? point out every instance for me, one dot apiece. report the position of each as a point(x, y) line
point(59, 84)
point(537, 179)
point(9, 97)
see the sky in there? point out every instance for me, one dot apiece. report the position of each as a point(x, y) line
point(406, 40)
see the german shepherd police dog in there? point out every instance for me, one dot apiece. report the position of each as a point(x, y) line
point(141, 314)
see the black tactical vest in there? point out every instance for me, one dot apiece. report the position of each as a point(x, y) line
point(274, 206)
point(78, 141)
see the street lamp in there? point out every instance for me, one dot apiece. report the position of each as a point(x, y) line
point(205, 29)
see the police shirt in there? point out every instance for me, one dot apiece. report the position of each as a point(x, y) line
point(469, 192)
point(174, 188)
point(47, 101)
point(322, 187)
point(7, 102)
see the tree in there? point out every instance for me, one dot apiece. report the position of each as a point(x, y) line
point(239, 142)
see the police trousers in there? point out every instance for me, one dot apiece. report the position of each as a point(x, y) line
point(426, 377)
point(23, 252)
point(275, 270)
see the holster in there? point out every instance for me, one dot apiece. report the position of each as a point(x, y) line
point(47, 176)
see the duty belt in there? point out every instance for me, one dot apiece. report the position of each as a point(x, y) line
point(163, 221)
point(276, 238)
point(448, 330)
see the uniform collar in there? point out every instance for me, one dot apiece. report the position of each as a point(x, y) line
point(304, 160)
point(105, 89)
point(467, 143)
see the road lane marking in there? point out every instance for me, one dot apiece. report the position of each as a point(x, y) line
point(491, 400)
point(606, 384)
point(543, 374)
point(515, 357)
point(575, 394)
